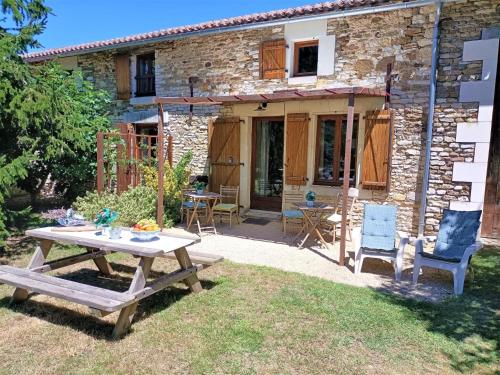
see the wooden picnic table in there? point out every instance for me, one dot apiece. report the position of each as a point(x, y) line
point(103, 301)
point(211, 200)
point(312, 220)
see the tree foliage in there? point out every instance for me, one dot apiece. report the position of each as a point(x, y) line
point(48, 116)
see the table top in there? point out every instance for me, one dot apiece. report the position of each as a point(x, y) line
point(204, 195)
point(162, 245)
point(318, 206)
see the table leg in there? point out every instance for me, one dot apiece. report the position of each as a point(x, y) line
point(101, 263)
point(308, 222)
point(185, 262)
point(37, 260)
point(211, 214)
point(190, 221)
point(127, 313)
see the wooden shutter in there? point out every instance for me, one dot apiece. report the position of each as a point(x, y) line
point(122, 71)
point(224, 152)
point(377, 149)
point(297, 125)
point(272, 59)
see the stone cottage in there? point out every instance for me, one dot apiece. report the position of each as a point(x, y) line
point(282, 81)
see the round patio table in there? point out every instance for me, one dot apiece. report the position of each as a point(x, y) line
point(313, 215)
point(211, 200)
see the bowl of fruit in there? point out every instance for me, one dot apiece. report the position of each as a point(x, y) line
point(145, 230)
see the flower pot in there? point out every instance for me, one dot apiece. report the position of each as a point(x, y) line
point(115, 233)
point(199, 192)
point(310, 203)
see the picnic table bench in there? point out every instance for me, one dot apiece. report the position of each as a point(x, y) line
point(103, 301)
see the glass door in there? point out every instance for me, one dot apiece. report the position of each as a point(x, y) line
point(267, 163)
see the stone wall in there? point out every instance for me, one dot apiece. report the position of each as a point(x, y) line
point(461, 21)
point(228, 64)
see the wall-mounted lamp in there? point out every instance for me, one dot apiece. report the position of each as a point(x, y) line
point(262, 106)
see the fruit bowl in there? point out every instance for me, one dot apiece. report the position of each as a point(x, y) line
point(143, 235)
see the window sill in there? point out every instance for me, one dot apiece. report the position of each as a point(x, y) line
point(301, 80)
point(142, 100)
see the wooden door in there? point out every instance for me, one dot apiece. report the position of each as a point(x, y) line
point(491, 212)
point(224, 152)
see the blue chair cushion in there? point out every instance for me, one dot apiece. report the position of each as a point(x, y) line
point(379, 227)
point(457, 231)
point(293, 214)
point(191, 204)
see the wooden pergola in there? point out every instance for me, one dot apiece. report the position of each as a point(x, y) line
point(278, 96)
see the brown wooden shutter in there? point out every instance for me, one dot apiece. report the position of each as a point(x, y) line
point(122, 71)
point(377, 149)
point(224, 152)
point(272, 59)
point(297, 125)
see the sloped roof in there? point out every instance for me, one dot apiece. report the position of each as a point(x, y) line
point(251, 19)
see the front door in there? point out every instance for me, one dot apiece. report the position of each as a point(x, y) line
point(267, 163)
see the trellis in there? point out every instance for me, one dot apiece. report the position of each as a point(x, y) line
point(122, 155)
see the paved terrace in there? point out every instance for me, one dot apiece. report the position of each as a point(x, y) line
point(264, 245)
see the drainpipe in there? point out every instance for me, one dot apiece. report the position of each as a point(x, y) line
point(430, 118)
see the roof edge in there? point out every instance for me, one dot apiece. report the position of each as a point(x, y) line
point(340, 8)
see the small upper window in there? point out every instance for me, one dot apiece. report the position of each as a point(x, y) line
point(306, 58)
point(145, 77)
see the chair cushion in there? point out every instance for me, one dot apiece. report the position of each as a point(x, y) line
point(378, 251)
point(191, 204)
point(293, 214)
point(225, 207)
point(379, 227)
point(437, 257)
point(457, 231)
point(335, 218)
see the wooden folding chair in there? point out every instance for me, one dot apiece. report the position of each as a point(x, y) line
point(229, 203)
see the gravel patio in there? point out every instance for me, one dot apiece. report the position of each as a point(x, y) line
point(263, 244)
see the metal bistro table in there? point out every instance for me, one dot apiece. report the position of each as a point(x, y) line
point(313, 216)
point(103, 301)
point(211, 200)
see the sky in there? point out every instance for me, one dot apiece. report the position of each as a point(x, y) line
point(80, 21)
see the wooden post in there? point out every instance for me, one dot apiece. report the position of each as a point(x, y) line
point(159, 153)
point(100, 162)
point(347, 169)
point(170, 149)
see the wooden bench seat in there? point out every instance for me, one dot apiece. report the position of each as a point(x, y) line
point(95, 297)
point(197, 257)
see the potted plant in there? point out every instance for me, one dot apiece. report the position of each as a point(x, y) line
point(310, 198)
point(199, 186)
point(104, 219)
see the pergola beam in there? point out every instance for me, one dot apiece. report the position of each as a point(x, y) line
point(347, 170)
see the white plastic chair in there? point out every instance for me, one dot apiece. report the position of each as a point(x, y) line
point(458, 233)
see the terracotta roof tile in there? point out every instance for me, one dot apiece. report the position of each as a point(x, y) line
point(255, 18)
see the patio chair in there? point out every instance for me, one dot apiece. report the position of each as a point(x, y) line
point(229, 204)
point(187, 205)
point(291, 213)
point(377, 238)
point(455, 244)
point(335, 219)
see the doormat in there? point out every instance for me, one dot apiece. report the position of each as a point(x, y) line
point(257, 221)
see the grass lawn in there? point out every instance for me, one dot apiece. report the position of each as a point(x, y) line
point(255, 320)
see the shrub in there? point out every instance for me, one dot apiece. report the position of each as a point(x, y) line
point(132, 205)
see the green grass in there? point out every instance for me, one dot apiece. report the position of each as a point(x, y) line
point(258, 320)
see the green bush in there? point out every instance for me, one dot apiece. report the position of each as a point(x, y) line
point(132, 205)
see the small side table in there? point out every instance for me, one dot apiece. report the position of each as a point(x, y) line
point(211, 200)
point(313, 216)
